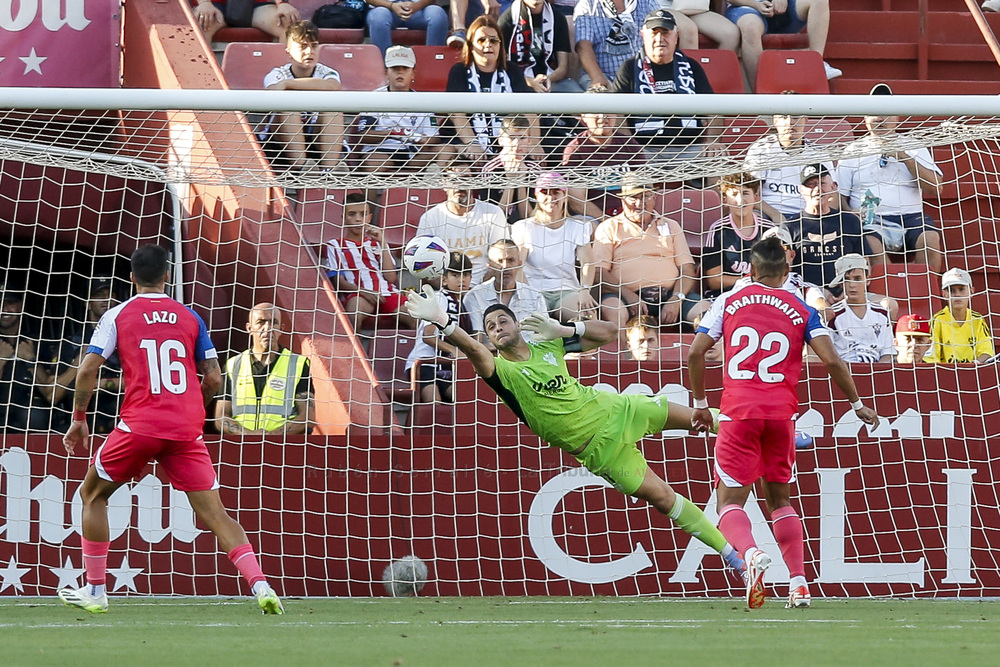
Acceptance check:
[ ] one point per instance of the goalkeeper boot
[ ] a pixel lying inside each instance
(269, 602)
(756, 566)
(798, 598)
(82, 599)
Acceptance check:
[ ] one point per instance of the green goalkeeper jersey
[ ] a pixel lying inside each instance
(553, 403)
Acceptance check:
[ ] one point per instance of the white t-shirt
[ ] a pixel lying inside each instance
(551, 261)
(421, 350)
(524, 301)
(471, 234)
(887, 179)
(861, 339)
(285, 72)
(779, 186)
(405, 127)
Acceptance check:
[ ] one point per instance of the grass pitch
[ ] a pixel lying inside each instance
(482, 632)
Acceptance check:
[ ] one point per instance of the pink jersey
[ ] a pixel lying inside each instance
(159, 342)
(764, 330)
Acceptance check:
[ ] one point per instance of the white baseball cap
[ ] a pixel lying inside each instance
(847, 263)
(400, 55)
(956, 277)
(783, 235)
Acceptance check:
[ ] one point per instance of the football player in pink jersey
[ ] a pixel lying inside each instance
(163, 347)
(764, 328)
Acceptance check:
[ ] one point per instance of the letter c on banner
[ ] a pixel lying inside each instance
(543, 541)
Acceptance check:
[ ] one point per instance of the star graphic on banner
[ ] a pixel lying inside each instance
(125, 576)
(12, 576)
(69, 576)
(32, 61)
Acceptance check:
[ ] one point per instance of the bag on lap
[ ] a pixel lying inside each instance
(341, 14)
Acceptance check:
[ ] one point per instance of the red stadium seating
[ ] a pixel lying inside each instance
(400, 212)
(801, 71)
(388, 356)
(739, 132)
(361, 66)
(694, 209)
(244, 64)
(828, 130)
(433, 64)
(909, 284)
(722, 68)
(321, 213)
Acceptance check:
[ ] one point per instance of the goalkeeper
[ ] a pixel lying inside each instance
(599, 429)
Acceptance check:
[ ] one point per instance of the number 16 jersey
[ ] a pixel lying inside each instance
(160, 343)
(764, 330)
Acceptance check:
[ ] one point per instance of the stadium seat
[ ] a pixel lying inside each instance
(828, 130)
(674, 349)
(722, 68)
(361, 66)
(738, 132)
(320, 213)
(388, 357)
(694, 209)
(798, 40)
(433, 65)
(909, 284)
(801, 71)
(244, 64)
(400, 212)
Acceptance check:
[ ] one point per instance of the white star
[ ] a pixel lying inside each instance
(32, 62)
(12, 576)
(125, 576)
(69, 576)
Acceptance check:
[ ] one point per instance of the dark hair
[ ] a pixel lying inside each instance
(458, 262)
(149, 265)
(738, 181)
(302, 31)
(498, 306)
(768, 257)
(483, 21)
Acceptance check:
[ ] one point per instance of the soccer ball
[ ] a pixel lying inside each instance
(425, 257)
(405, 577)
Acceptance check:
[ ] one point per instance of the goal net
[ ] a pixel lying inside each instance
(909, 509)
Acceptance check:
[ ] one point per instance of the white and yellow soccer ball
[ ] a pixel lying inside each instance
(405, 577)
(425, 257)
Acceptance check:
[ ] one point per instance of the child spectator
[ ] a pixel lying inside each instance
(861, 330)
(643, 338)
(913, 339)
(435, 379)
(360, 268)
(320, 134)
(958, 333)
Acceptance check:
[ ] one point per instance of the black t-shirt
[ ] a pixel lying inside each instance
(261, 372)
(820, 241)
(726, 248)
(458, 82)
(560, 37)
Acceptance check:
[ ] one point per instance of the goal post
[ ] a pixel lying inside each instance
(86, 175)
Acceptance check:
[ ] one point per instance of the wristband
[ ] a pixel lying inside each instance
(449, 328)
(79, 415)
(857, 405)
(580, 328)
(700, 403)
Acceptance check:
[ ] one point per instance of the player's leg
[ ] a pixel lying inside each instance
(266, 18)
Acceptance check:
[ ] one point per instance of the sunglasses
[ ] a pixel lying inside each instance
(487, 40)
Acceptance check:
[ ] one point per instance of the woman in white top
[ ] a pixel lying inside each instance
(552, 244)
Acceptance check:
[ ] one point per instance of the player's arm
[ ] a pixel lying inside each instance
(86, 381)
(701, 419)
(841, 375)
(592, 333)
(211, 379)
(424, 306)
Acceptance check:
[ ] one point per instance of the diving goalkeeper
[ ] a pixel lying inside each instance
(599, 429)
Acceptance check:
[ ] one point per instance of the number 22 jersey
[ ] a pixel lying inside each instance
(764, 330)
(160, 343)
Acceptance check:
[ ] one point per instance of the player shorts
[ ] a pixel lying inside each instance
(750, 449)
(187, 465)
(613, 453)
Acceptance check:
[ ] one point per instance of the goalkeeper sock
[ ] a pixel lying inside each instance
(95, 562)
(735, 525)
(694, 522)
(245, 561)
(787, 527)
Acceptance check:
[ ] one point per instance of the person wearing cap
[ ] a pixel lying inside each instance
(862, 331)
(552, 243)
(756, 18)
(386, 15)
(958, 333)
(607, 34)
(537, 41)
(660, 68)
(642, 261)
(886, 186)
(505, 285)
(463, 222)
(399, 138)
(913, 339)
(820, 233)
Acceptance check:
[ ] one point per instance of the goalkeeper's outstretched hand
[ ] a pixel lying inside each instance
(424, 306)
(545, 327)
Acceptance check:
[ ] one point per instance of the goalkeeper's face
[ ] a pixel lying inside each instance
(502, 330)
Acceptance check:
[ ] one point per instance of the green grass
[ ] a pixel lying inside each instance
(481, 632)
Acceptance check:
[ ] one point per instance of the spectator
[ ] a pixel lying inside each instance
(642, 262)
(398, 139)
(267, 387)
(270, 16)
(660, 68)
(643, 338)
(484, 68)
(552, 244)
(602, 151)
(435, 378)
(505, 286)
(887, 191)
(318, 133)
(991, 5)
(464, 12)
(466, 225)
(360, 268)
(958, 333)
(861, 330)
(812, 294)
(536, 38)
(913, 339)
(385, 15)
(514, 161)
(756, 18)
(23, 403)
(715, 26)
(821, 233)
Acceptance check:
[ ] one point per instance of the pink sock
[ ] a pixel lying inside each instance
(95, 561)
(787, 527)
(736, 527)
(246, 562)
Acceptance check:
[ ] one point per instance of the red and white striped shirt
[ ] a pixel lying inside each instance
(358, 263)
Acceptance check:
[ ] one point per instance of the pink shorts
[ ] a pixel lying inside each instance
(187, 465)
(750, 449)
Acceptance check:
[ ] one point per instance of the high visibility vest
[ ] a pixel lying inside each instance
(277, 405)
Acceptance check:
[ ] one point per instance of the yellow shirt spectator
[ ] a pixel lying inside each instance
(954, 342)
